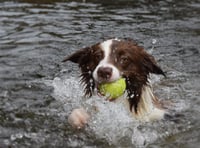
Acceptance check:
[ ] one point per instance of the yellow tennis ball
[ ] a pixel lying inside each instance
(114, 89)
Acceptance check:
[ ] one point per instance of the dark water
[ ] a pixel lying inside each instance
(36, 35)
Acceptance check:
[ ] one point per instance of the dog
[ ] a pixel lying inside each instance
(111, 60)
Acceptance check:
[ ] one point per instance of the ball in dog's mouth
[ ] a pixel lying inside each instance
(113, 90)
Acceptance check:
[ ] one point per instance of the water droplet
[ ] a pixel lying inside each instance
(132, 96)
(91, 80)
(16, 136)
(96, 90)
(90, 87)
(154, 41)
(167, 133)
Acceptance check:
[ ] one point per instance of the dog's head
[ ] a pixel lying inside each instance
(113, 59)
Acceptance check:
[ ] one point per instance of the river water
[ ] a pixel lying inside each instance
(38, 92)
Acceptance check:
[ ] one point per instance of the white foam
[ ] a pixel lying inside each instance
(109, 120)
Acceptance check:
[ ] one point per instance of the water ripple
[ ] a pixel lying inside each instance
(35, 101)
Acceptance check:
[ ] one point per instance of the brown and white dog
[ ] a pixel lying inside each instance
(110, 60)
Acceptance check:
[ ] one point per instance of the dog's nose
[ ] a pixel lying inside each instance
(104, 73)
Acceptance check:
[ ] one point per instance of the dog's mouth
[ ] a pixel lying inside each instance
(99, 84)
(104, 80)
(99, 93)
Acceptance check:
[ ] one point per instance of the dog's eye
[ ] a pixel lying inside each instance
(124, 60)
(98, 56)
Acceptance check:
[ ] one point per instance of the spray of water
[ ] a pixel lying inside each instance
(110, 121)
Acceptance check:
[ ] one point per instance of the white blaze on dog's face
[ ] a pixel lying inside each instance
(105, 70)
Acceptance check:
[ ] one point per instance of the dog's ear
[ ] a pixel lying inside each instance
(78, 56)
(149, 64)
(83, 58)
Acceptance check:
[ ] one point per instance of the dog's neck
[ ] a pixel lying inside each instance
(149, 107)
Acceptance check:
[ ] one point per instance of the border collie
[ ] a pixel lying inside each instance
(110, 60)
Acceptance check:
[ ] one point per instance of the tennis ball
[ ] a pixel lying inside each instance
(113, 89)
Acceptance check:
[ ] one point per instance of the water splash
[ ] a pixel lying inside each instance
(110, 121)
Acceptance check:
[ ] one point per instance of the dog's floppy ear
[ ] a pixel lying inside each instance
(78, 56)
(83, 58)
(149, 64)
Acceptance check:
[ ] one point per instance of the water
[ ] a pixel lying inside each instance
(38, 92)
